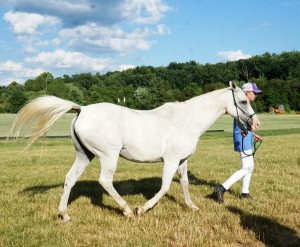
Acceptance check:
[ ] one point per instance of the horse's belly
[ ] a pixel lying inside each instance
(144, 154)
(139, 158)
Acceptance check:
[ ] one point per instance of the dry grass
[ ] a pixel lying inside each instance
(31, 185)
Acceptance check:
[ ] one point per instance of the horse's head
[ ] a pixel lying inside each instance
(240, 108)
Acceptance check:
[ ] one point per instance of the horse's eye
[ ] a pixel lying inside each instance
(244, 102)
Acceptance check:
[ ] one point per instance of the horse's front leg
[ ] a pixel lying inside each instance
(182, 172)
(108, 168)
(170, 167)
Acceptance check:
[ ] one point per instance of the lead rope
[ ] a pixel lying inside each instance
(256, 145)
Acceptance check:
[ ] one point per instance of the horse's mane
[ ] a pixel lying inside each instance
(207, 95)
(166, 108)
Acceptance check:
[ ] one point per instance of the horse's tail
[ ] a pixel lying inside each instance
(40, 114)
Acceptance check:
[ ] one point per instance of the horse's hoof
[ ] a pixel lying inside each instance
(64, 217)
(194, 208)
(128, 214)
(138, 211)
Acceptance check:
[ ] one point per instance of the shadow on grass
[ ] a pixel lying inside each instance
(147, 187)
(196, 181)
(212, 196)
(267, 230)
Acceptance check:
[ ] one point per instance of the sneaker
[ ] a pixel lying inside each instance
(245, 196)
(219, 191)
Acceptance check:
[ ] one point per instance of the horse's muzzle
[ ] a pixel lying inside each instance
(253, 123)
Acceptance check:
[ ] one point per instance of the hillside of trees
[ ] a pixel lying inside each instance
(147, 87)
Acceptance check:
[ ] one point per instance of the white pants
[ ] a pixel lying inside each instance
(247, 166)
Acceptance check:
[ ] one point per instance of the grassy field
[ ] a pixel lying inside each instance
(31, 186)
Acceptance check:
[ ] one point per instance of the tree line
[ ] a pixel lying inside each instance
(147, 87)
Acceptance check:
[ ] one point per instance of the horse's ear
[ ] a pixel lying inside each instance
(232, 85)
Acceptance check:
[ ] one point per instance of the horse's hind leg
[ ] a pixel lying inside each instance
(108, 168)
(182, 172)
(81, 162)
(169, 169)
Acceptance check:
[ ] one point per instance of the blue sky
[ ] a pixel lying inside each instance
(75, 36)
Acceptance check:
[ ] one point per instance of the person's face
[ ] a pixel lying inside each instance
(251, 96)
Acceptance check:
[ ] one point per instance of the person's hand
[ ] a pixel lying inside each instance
(257, 137)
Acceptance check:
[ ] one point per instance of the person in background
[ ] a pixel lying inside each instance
(243, 145)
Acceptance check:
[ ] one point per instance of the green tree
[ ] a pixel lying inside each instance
(40, 83)
(191, 90)
(75, 94)
(16, 101)
(85, 80)
(142, 98)
(58, 88)
(212, 86)
(4, 102)
(15, 97)
(277, 74)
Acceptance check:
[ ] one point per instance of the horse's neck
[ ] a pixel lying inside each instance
(204, 110)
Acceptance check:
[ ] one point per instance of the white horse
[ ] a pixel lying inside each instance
(169, 133)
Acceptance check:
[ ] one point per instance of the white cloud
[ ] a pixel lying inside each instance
(10, 66)
(28, 23)
(30, 49)
(88, 33)
(233, 55)
(47, 29)
(61, 59)
(100, 39)
(123, 67)
(31, 73)
(144, 11)
(13, 71)
(103, 12)
(73, 13)
(4, 2)
(163, 29)
(5, 81)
